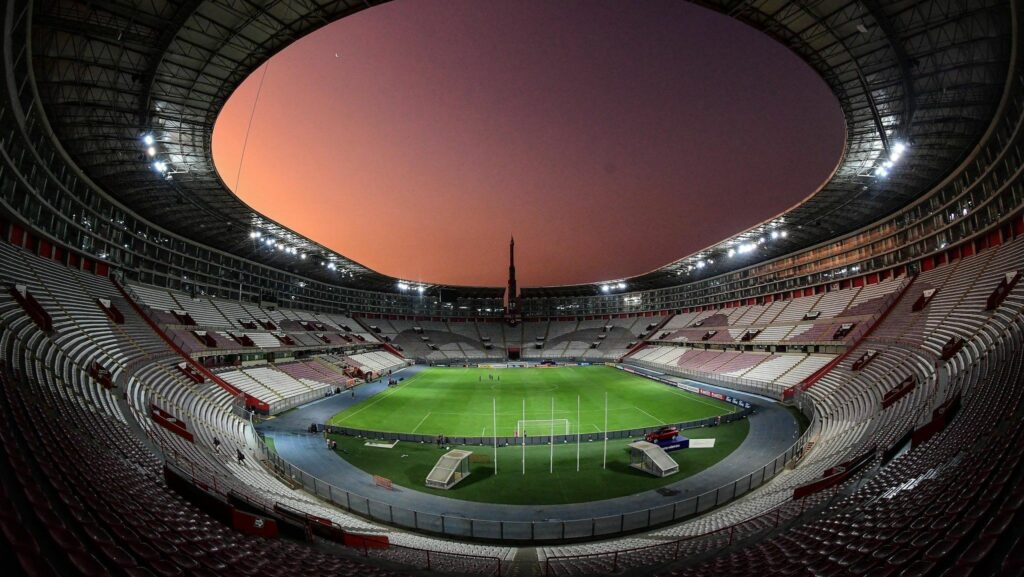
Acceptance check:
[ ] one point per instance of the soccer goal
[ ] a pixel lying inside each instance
(451, 468)
(542, 427)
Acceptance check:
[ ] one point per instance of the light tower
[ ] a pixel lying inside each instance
(512, 293)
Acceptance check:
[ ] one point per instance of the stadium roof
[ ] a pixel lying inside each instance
(927, 75)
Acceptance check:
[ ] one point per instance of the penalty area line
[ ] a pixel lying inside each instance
(376, 399)
(648, 414)
(695, 397)
(420, 423)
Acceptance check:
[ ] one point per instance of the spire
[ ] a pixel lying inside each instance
(513, 292)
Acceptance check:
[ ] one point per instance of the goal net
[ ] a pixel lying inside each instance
(542, 427)
(451, 468)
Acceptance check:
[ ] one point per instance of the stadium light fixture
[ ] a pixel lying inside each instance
(331, 266)
(783, 234)
(148, 139)
(160, 166)
(254, 234)
(151, 151)
(897, 150)
(402, 286)
(420, 289)
(604, 288)
(302, 256)
(621, 286)
(732, 252)
(700, 264)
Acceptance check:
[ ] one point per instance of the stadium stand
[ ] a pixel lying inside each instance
(278, 389)
(800, 320)
(38, 375)
(376, 362)
(885, 306)
(317, 370)
(881, 526)
(230, 326)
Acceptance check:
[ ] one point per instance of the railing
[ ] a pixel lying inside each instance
(672, 550)
(132, 300)
(445, 561)
(546, 530)
(892, 299)
(742, 385)
(430, 560)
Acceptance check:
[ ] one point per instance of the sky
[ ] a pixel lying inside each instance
(609, 137)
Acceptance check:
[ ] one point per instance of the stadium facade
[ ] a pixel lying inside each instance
(926, 200)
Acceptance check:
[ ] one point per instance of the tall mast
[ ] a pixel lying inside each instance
(513, 294)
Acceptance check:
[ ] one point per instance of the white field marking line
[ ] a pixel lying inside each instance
(420, 423)
(648, 414)
(518, 413)
(695, 397)
(380, 397)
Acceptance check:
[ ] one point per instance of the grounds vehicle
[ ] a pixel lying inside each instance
(662, 434)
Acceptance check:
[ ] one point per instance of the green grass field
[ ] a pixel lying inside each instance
(408, 464)
(458, 402)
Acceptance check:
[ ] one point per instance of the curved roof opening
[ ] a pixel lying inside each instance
(415, 138)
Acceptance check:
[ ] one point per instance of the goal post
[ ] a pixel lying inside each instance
(451, 468)
(543, 427)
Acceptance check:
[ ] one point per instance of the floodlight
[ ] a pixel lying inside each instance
(254, 234)
(151, 151)
(402, 286)
(604, 288)
(775, 234)
(148, 139)
(420, 289)
(622, 285)
(732, 252)
(160, 166)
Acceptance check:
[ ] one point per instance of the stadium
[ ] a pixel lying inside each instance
(192, 388)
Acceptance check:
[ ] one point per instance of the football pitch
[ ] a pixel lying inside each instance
(468, 402)
(542, 474)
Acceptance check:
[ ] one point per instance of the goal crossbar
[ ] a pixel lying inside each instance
(542, 427)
